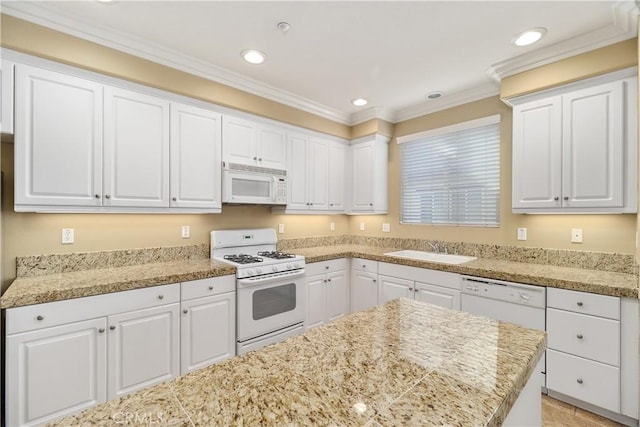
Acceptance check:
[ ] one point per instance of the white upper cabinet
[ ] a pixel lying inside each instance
(368, 175)
(6, 96)
(575, 149)
(251, 143)
(316, 174)
(136, 149)
(195, 158)
(58, 142)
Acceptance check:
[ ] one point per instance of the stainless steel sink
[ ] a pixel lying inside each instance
(431, 256)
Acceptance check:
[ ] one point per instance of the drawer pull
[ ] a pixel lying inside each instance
(160, 296)
(112, 327)
(579, 336)
(374, 280)
(326, 267)
(210, 288)
(40, 317)
(579, 303)
(579, 380)
(328, 280)
(185, 311)
(364, 266)
(101, 330)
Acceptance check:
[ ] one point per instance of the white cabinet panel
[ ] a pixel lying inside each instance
(239, 141)
(195, 158)
(368, 186)
(58, 148)
(316, 301)
(364, 290)
(362, 170)
(437, 295)
(392, 288)
(297, 172)
(337, 156)
(6, 96)
(318, 174)
(207, 331)
(55, 371)
(144, 348)
(136, 149)
(272, 147)
(327, 294)
(593, 147)
(337, 295)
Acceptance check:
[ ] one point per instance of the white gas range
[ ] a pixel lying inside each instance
(271, 293)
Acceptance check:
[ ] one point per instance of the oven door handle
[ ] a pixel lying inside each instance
(268, 279)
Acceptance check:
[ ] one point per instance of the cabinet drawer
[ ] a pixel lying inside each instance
(364, 265)
(583, 379)
(322, 267)
(583, 302)
(207, 287)
(423, 275)
(38, 316)
(590, 337)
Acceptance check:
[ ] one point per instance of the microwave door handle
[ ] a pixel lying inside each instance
(274, 191)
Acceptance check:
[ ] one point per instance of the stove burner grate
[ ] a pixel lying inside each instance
(243, 258)
(276, 255)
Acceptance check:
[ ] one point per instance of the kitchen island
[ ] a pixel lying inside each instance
(402, 363)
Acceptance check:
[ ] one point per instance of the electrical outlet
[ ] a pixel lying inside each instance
(386, 227)
(522, 234)
(362, 226)
(332, 226)
(280, 228)
(576, 235)
(186, 231)
(67, 236)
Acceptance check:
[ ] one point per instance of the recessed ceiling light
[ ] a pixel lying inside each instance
(253, 56)
(434, 95)
(359, 102)
(529, 37)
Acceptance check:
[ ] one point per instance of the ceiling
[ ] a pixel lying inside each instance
(390, 52)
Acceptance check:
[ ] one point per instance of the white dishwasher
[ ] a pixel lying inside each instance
(521, 304)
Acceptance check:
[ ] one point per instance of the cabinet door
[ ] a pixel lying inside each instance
(144, 348)
(195, 157)
(6, 96)
(208, 331)
(593, 147)
(537, 154)
(297, 172)
(239, 141)
(437, 295)
(337, 295)
(392, 288)
(136, 149)
(272, 148)
(364, 290)
(337, 154)
(318, 174)
(55, 371)
(316, 301)
(58, 143)
(363, 156)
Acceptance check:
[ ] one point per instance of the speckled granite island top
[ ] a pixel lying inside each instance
(403, 363)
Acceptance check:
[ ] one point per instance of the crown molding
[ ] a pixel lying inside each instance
(624, 26)
(42, 15)
(370, 114)
(447, 101)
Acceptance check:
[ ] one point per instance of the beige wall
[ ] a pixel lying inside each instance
(610, 233)
(371, 127)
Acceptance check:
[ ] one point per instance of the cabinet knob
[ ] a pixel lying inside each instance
(260, 159)
(566, 197)
(175, 199)
(324, 280)
(101, 330)
(107, 196)
(328, 280)
(97, 196)
(556, 198)
(210, 288)
(579, 303)
(330, 204)
(160, 296)
(112, 327)
(326, 267)
(374, 280)
(185, 311)
(579, 381)
(410, 289)
(40, 317)
(579, 336)
(255, 158)
(370, 204)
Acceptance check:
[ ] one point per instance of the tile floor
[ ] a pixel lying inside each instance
(559, 414)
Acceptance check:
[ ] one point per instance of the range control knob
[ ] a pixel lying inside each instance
(296, 265)
(250, 272)
(274, 268)
(289, 266)
(259, 270)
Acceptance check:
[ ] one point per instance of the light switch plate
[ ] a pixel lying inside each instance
(332, 226)
(280, 228)
(362, 226)
(386, 227)
(522, 234)
(576, 235)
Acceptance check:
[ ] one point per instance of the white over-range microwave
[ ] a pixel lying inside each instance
(242, 184)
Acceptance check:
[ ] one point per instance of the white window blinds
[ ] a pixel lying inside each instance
(451, 176)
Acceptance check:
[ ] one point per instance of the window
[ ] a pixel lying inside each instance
(451, 176)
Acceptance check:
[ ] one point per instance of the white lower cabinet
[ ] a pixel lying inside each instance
(435, 287)
(592, 351)
(55, 371)
(327, 292)
(364, 284)
(65, 356)
(208, 322)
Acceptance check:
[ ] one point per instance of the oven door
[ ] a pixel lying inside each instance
(267, 304)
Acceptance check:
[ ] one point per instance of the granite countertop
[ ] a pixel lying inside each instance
(60, 286)
(405, 362)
